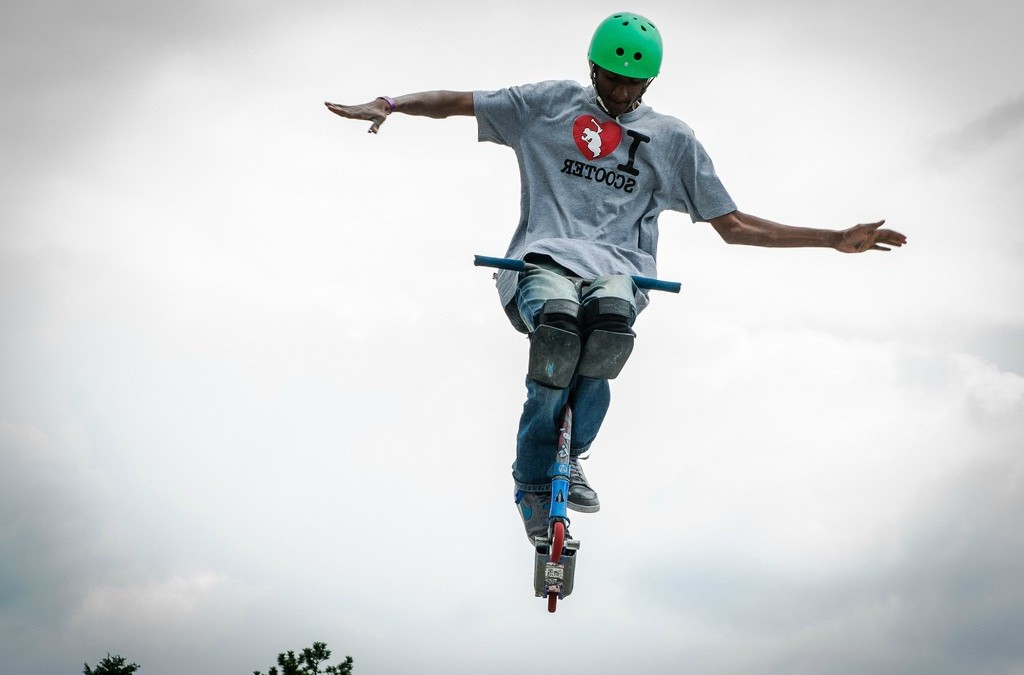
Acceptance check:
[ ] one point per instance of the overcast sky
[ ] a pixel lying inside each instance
(253, 394)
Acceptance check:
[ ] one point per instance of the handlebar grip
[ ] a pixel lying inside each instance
(501, 263)
(657, 284)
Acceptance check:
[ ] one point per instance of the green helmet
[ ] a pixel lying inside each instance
(627, 44)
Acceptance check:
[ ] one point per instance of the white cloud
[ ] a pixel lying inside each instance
(853, 508)
(199, 608)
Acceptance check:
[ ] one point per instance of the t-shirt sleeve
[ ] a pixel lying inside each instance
(502, 115)
(701, 191)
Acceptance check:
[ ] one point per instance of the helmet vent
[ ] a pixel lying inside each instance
(620, 51)
(637, 56)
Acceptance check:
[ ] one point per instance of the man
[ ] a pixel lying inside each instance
(597, 167)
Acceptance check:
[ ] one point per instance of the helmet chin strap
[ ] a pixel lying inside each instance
(600, 101)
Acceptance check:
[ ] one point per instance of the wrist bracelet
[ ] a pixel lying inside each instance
(390, 101)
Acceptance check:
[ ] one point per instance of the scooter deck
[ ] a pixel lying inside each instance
(549, 576)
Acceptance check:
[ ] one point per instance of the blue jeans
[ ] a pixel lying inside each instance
(542, 412)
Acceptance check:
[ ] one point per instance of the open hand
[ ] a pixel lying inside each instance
(868, 237)
(375, 111)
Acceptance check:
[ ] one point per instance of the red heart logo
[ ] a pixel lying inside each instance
(595, 139)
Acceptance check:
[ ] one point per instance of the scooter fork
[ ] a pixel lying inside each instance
(555, 558)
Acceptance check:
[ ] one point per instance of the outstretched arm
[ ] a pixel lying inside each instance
(436, 104)
(742, 228)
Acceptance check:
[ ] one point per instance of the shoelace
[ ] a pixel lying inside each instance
(576, 475)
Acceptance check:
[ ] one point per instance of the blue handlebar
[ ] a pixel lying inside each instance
(515, 265)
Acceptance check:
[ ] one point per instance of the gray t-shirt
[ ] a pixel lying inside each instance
(593, 187)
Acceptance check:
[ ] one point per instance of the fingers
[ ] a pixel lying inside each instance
(891, 238)
(368, 111)
(377, 121)
(871, 237)
(886, 240)
(896, 238)
(340, 110)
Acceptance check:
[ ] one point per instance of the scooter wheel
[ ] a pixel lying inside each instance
(557, 540)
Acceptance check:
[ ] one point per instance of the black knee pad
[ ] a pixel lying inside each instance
(607, 337)
(555, 344)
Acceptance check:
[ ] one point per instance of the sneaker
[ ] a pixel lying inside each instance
(582, 497)
(533, 508)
